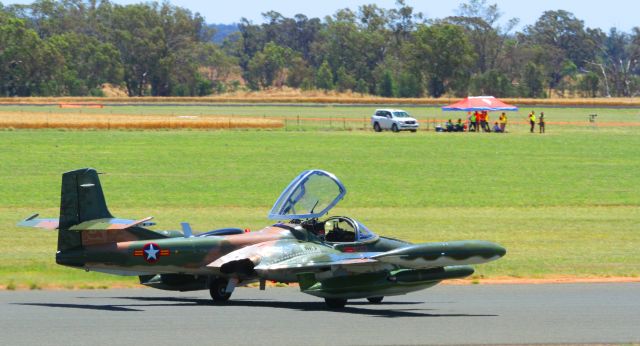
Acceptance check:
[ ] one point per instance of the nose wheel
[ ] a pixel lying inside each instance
(218, 290)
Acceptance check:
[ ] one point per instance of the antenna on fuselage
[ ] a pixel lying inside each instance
(186, 229)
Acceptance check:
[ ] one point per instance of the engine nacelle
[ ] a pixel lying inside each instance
(379, 284)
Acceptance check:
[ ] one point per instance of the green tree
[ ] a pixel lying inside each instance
(354, 41)
(28, 65)
(344, 81)
(532, 84)
(299, 73)
(562, 30)
(618, 61)
(589, 84)
(151, 48)
(402, 21)
(480, 22)
(252, 40)
(88, 63)
(298, 34)
(362, 87)
(216, 68)
(324, 77)
(387, 86)
(158, 47)
(267, 68)
(409, 84)
(139, 38)
(560, 36)
(70, 47)
(443, 54)
(492, 82)
(51, 17)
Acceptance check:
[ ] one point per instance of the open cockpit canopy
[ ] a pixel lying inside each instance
(309, 196)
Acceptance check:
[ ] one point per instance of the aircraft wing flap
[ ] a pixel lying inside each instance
(34, 221)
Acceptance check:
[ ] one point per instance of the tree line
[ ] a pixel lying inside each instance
(72, 47)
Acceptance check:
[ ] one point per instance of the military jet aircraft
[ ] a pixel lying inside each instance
(336, 258)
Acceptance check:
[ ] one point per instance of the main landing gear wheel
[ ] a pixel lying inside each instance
(394, 128)
(335, 303)
(218, 290)
(376, 127)
(375, 300)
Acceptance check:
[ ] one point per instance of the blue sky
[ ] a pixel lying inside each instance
(622, 14)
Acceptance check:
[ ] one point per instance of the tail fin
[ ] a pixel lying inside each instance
(81, 200)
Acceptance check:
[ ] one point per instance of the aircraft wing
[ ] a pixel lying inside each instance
(288, 257)
(418, 256)
(348, 262)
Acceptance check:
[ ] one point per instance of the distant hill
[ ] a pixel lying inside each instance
(222, 31)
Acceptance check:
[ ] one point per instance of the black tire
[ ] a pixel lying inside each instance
(376, 127)
(414, 130)
(394, 128)
(375, 300)
(335, 303)
(217, 289)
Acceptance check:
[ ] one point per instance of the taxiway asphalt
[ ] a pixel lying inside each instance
(473, 314)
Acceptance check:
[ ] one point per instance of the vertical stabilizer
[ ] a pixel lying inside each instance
(81, 200)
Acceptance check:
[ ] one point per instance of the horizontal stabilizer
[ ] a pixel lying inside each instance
(111, 224)
(34, 221)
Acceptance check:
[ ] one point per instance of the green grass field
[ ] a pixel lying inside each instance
(564, 204)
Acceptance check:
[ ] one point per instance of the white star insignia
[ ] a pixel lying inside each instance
(151, 252)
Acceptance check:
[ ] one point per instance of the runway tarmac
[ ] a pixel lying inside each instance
(474, 314)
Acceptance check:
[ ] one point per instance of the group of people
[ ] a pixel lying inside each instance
(532, 121)
(477, 121)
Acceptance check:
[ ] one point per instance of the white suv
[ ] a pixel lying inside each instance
(394, 120)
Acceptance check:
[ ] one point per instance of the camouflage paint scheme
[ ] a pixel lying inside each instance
(361, 265)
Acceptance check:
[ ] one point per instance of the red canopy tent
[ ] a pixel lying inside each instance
(480, 103)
